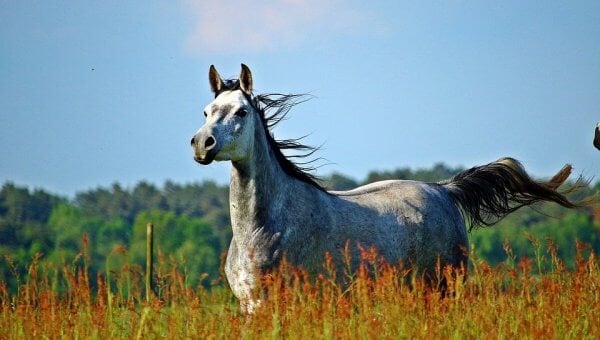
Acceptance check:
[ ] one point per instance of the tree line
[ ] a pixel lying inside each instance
(106, 226)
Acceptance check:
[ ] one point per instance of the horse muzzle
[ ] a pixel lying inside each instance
(205, 151)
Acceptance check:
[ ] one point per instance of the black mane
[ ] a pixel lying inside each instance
(272, 109)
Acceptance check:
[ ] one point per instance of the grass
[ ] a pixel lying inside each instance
(525, 298)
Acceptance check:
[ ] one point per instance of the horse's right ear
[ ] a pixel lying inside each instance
(216, 83)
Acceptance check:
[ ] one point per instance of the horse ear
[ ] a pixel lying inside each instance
(216, 83)
(246, 79)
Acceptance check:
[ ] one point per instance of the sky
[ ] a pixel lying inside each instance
(93, 93)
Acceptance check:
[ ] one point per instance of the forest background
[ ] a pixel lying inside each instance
(106, 226)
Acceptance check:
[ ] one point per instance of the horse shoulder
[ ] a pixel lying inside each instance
(305, 217)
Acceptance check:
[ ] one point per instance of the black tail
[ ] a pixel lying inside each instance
(489, 192)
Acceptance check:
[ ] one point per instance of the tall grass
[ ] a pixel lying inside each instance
(519, 298)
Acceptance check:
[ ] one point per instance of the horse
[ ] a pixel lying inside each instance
(278, 208)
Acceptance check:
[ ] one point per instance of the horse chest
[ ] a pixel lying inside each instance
(248, 257)
(240, 272)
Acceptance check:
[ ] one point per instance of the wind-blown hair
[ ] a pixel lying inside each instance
(489, 192)
(273, 108)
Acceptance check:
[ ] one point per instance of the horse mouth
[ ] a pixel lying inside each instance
(204, 160)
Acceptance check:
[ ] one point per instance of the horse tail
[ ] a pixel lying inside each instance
(487, 193)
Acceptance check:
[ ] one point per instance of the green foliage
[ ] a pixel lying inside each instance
(23, 227)
(437, 173)
(517, 230)
(191, 226)
(188, 240)
(337, 181)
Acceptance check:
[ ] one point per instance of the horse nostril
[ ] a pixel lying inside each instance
(209, 143)
(193, 141)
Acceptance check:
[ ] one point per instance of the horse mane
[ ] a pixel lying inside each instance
(272, 109)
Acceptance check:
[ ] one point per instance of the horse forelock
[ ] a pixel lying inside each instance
(229, 85)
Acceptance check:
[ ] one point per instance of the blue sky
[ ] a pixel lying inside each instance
(97, 92)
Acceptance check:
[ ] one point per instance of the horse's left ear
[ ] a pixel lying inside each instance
(216, 83)
(246, 79)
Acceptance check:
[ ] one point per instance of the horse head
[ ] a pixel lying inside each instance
(231, 118)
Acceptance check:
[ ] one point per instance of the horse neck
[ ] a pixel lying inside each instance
(257, 185)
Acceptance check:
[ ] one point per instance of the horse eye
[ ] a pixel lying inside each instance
(241, 112)
(205, 115)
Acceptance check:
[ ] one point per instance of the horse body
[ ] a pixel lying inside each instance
(406, 221)
(274, 215)
(277, 209)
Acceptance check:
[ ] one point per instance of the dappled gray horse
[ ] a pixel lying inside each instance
(278, 208)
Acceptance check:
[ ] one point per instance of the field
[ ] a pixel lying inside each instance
(521, 298)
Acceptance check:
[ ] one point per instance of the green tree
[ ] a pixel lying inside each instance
(564, 228)
(437, 173)
(111, 204)
(23, 226)
(338, 181)
(189, 240)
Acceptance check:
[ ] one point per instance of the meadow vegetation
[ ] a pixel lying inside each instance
(531, 298)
